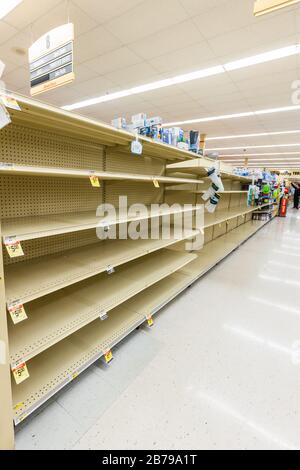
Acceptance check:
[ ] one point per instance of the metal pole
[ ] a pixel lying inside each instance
(6, 411)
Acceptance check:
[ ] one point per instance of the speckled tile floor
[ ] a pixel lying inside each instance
(220, 369)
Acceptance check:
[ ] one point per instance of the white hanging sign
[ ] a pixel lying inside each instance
(51, 60)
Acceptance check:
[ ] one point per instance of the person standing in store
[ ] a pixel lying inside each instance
(296, 195)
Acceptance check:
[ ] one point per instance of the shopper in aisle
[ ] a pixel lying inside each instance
(296, 187)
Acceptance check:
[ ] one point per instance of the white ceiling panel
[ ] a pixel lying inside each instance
(134, 75)
(60, 15)
(144, 20)
(29, 11)
(94, 43)
(117, 59)
(185, 60)
(168, 40)
(105, 10)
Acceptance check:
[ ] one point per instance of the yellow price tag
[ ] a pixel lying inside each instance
(150, 321)
(75, 375)
(17, 313)
(95, 182)
(20, 373)
(14, 248)
(108, 356)
(19, 406)
(156, 184)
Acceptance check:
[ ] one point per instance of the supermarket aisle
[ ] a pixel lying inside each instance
(221, 368)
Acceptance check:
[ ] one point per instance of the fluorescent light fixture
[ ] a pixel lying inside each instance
(262, 7)
(234, 116)
(148, 87)
(246, 136)
(6, 6)
(247, 155)
(252, 147)
(198, 74)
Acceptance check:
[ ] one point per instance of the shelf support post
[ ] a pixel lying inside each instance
(6, 412)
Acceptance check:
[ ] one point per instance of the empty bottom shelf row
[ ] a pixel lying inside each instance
(60, 364)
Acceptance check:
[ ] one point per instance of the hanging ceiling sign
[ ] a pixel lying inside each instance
(51, 60)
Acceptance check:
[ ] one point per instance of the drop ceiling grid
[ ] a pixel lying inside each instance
(222, 27)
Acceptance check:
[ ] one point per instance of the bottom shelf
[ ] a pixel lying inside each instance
(51, 370)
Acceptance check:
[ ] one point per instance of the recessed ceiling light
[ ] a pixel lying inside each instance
(262, 7)
(246, 136)
(6, 6)
(198, 74)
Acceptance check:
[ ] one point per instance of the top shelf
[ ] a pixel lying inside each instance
(44, 116)
(200, 167)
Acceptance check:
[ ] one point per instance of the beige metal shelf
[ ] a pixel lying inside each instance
(32, 279)
(59, 365)
(221, 216)
(15, 170)
(44, 116)
(200, 167)
(85, 302)
(156, 297)
(195, 191)
(51, 370)
(30, 228)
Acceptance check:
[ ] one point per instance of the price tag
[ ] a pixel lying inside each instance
(17, 312)
(95, 182)
(13, 247)
(156, 184)
(10, 103)
(19, 406)
(150, 321)
(110, 270)
(20, 373)
(74, 376)
(103, 316)
(108, 356)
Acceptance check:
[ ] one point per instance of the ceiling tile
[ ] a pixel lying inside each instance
(143, 20)
(271, 33)
(188, 59)
(104, 10)
(194, 7)
(168, 40)
(58, 16)
(29, 11)
(114, 60)
(6, 32)
(134, 75)
(20, 41)
(16, 79)
(94, 43)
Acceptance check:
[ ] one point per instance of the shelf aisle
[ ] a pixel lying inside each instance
(69, 357)
(55, 317)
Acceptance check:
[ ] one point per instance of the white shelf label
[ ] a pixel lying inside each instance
(17, 312)
(20, 373)
(13, 247)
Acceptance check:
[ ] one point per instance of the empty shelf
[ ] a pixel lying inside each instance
(221, 216)
(57, 366)
(29, 228)
(35, 278)
(200, 167)
(58, 315)
(15, 170)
